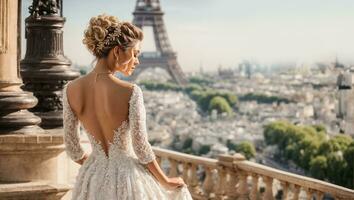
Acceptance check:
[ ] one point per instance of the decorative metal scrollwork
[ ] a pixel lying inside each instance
(45, 7)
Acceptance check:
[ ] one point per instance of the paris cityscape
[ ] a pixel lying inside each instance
(242, 104)
(227, 110)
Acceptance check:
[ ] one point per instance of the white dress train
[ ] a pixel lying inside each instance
(121, 175)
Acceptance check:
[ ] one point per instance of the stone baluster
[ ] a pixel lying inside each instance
(222, 175)
(268, 188)
(185, 173)
(296, 192)
(173, 168)
(254, 190)
(208, 184)
(221, 182)
(285, 187)
(231, 184)
(242, 189)
(308, 194)
(319, 195)
(194, 181)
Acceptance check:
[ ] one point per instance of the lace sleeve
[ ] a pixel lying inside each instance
(137, 121)
(71, 131)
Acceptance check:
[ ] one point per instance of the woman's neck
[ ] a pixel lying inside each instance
(103, 67)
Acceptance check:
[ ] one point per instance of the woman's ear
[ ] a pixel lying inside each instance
(116, 52)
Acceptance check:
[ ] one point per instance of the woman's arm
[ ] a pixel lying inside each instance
(71, 131)
(141, 145)
(170, 183)
(82, 160)
(155, 169)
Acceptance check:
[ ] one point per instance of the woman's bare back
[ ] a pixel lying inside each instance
(101, 105)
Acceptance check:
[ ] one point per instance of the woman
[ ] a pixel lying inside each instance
(122, 164)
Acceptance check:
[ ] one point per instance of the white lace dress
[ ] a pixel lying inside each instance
(121, 174)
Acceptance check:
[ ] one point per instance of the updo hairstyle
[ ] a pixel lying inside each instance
(104, 32)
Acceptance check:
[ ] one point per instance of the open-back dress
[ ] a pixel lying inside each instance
(121, 174)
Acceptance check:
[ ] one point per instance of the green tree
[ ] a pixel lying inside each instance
(318, 167)
(220, 104)
(230, 145)
(197, 91)
(336, 167)
(275, 132)
(349, 173)
(247, 149)
(337, 143)
(262, 98)
(200, 80)
(151, 85)
(192, 87)
(309, 147)
(319, 128)
(187, 143)
(204, 149)
(341, 142)
(290, 152)
(229, 97)
(308, 150)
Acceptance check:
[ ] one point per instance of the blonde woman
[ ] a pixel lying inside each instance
(122, 164)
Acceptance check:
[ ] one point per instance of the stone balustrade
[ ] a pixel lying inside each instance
(233, 177)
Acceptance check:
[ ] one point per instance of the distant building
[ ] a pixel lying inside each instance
(225, 73)
(344, 81)
(345, 111)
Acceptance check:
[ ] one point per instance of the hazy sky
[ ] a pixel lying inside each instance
(223, 32)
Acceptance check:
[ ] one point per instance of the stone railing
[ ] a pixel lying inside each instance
(233, 177)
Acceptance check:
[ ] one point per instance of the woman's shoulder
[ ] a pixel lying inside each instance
(71, 86)
(75, 83)
(125, 86)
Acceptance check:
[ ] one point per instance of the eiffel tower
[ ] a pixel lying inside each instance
(149, 13)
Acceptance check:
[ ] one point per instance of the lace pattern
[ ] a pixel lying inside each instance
(71, 130)
(137, 118)
(119, 175)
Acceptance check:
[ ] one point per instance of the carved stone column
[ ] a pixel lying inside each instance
(28, 156)
(14, 116)
(45, 69)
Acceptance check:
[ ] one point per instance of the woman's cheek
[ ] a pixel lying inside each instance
(126, 62)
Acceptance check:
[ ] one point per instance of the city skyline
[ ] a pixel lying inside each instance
(210, 33)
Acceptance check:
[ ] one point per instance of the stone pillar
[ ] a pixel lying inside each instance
(14, 116)
(45, 69)
(28, 155)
